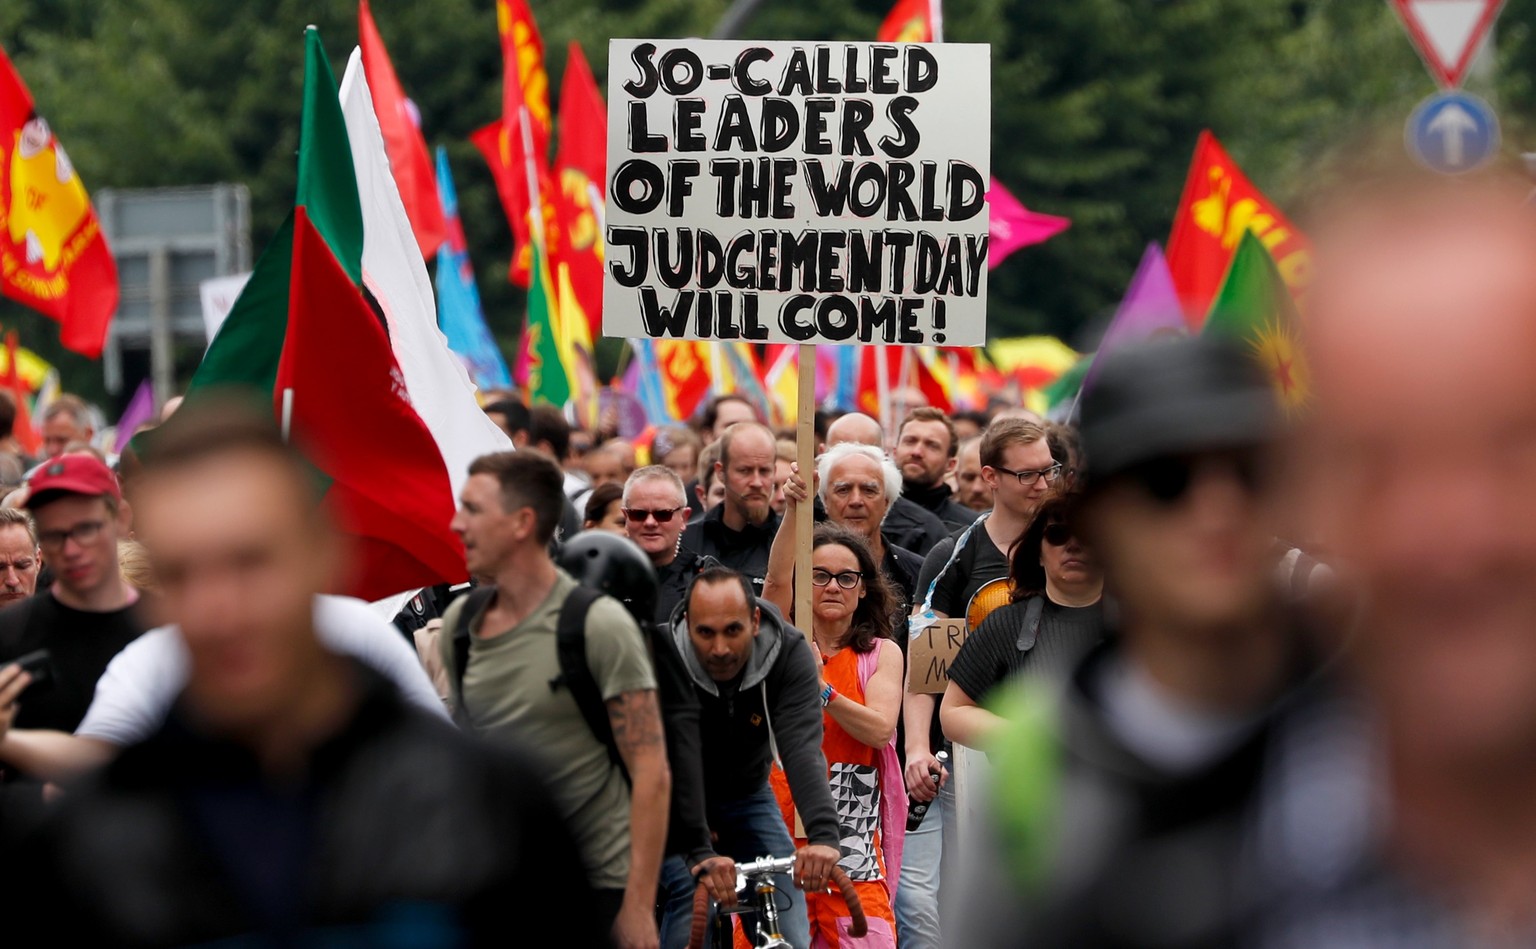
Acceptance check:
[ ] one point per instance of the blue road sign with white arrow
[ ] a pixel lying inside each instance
(1452, 133)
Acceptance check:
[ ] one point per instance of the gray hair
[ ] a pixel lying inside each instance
(655, 473)
(845, 450)
(11, 515)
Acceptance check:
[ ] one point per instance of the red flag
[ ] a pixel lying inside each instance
(581, 169)
(26, 436)
(525, 84)
(389, 488)
(1218, 207)
(525, 92)
(504, 154)
(53, 256)
(408, 160)
(910, 21)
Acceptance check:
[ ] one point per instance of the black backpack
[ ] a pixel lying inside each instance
(674, 692)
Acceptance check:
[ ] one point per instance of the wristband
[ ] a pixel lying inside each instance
(827, 695)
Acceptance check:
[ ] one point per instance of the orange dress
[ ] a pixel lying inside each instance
(854, 773)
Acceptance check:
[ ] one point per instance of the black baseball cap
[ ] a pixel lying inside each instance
(1174, 396)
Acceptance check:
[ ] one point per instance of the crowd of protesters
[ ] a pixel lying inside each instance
(1234, 675)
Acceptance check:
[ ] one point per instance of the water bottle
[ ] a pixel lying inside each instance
(917, 810)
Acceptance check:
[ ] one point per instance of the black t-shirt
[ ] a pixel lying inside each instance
(81, 643)
(979, 563)
(991, 653)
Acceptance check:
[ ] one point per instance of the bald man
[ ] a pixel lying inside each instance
(739, 531)
(1423, 350)
(908, 525)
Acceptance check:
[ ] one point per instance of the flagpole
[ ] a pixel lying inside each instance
(805, 448)
(936, 18)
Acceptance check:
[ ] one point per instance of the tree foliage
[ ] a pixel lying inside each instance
(1095, 104)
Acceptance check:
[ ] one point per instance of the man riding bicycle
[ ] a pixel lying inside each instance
(756, 679)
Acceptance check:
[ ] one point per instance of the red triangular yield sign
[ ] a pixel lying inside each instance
(1448, 33)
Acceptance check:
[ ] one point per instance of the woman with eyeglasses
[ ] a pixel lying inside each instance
(1055, 618)
(861, 690)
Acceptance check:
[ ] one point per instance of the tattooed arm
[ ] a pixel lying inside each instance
(637, 731)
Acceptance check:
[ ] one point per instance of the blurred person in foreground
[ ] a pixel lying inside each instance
(291, 795)
(1422, 338)
(1121, 799)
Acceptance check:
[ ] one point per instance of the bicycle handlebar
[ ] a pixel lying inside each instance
(858, 925)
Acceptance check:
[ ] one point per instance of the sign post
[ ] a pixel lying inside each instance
(798, 192)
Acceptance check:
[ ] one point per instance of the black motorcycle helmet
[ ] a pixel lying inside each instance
(613, 565)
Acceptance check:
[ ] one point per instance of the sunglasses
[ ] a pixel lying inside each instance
(1168, 480)
(638, 515)
(1058, 534)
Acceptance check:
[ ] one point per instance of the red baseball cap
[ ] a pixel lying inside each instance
(71, 474)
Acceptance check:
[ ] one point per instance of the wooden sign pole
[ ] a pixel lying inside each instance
(805, 521)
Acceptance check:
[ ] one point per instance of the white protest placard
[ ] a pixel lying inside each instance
(798, 192)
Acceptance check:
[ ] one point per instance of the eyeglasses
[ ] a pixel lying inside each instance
(848, 579)
(1027, 478)
(1058, 534)
(1167, 480)
(80, 534)
(638, 515)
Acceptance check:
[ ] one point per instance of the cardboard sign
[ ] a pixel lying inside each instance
(929, 656)
(798, 192)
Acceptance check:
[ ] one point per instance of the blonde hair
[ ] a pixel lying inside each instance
(133, 559)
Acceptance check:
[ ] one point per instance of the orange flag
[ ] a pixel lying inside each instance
(910, 21)
(1218, 207)
(53, 256)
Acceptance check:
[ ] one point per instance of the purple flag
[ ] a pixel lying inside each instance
(1014, 226)
(141, 409)
(1150, 306)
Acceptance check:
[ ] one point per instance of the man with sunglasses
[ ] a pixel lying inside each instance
(88, 615)
(1140, 771)
(655, 513)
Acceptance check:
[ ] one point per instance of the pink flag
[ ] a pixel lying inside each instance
(1015, 226)
(141, 409)
(1150, 307)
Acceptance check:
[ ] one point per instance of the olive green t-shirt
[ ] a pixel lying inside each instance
(507, 695)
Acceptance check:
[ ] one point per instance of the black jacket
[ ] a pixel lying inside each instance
(401, 825)
(774, 704)
(939, 500)
(908, 524)
(745, 550)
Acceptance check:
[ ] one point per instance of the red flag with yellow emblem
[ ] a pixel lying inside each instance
(1218, 207)
(53, 256)
(581, 172)
(503, 144)
(910, 21)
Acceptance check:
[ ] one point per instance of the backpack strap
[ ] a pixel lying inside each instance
(475, 602)
(1030, 631)
(576, 674)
